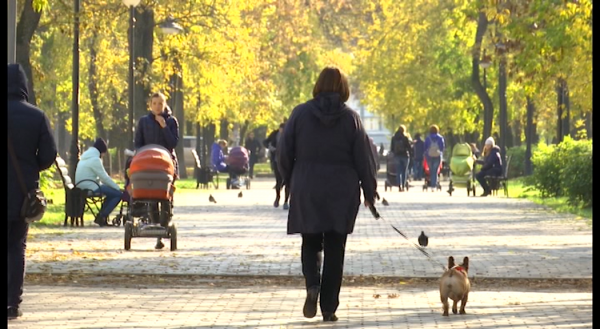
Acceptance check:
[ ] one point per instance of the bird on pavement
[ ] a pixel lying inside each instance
(385, 202)
(423, 239)
(212, 199)
(240, 194)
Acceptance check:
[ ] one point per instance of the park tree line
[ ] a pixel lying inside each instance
(245, 64)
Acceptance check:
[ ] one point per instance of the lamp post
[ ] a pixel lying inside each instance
(12, 31)
(170, 27)
(485, 63)
(131, 4)
(501, 47)
(74, 150)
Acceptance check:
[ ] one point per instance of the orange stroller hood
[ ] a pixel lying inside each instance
(152, 158)
(151, 173)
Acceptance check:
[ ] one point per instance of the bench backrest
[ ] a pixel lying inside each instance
(196, 159)
(63, 171)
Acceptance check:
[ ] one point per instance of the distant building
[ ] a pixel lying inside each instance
(374, 124)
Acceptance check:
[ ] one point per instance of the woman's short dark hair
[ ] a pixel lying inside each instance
(332, 79)
(434, 129)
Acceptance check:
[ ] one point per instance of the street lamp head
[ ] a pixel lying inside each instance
(485, 64)
(170, 27)
(131, 3)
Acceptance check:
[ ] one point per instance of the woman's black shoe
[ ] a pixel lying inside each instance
(329, 317)
(310, 305)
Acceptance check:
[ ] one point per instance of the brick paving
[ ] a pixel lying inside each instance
(504, 238)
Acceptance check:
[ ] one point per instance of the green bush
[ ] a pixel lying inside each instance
(564, 170)
(576, 171)
(517, 161)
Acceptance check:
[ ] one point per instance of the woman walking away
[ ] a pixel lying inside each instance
(401, 146)
(325, 155)
(434, 150)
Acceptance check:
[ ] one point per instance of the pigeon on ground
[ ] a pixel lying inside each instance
(240, 194)
(423, 239)
(211, 199)
(385, 202)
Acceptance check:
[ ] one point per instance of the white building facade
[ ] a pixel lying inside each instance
(373, 124)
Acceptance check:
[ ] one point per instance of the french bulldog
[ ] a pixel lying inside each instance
(455, 284)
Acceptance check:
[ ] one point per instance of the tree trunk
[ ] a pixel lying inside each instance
(529, 136)
(588, 124)
(144, 41)
(488, 107)
(224, 130)
(560, 110)
(28, 23)
(93, 86)
(179, 114)
(208, 137)
(566, 124)
(243, 131)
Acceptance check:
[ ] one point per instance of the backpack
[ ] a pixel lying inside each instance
(434, 149)
(400, 146)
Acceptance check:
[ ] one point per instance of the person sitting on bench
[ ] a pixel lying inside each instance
(492, 165)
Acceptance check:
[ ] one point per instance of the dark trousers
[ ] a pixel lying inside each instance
(16, 242)
(253, 160)
(488, 172)
(334, 246)
(279, 185)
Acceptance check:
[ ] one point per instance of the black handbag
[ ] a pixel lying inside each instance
(35, 204)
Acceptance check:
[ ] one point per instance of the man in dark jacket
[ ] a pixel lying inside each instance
(161, 128)
(31, 139)
(271, 143)
(325, 155)
(492, 165)
(253, 147)
(402, 149)
(418, 150)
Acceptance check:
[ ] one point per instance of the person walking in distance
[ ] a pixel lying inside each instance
(30, 138)
(325, 156)
(272, 143)
(253, 146)
(434, 151)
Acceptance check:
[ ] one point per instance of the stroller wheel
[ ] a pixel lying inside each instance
(173, 236)
(117, 220)
(128, 235)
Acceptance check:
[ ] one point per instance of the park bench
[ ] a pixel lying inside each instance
(204, 175)
(497, 182)
(77, 200)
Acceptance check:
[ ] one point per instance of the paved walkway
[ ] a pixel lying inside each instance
(504, 238)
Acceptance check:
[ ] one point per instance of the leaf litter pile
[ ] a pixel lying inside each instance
(123, 280)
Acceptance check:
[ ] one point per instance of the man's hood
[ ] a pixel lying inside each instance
(17, 82)
(327, 107)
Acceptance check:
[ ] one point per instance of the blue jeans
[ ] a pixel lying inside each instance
(401, 166)
(433, 164)
(113, 197)
(16, 241)
(418, 169)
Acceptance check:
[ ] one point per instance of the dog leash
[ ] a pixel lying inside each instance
(377, 216)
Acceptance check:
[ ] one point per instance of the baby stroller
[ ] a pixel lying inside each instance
(427, 178)
(151, 189)
(461, 168)
(391, 175)
(125, 197)
(239, 163)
